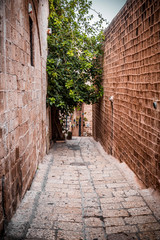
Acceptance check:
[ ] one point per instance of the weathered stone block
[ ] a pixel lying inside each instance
(18, 83)
(128, 128)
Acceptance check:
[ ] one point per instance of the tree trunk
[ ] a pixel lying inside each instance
(56, 126)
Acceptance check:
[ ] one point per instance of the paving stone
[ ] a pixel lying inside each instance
(133, 199)
(91, 202)
(115, 221)
(92, 211)
(70, 226)
(140, 219)
(111, 206)
(15, 230)
(88, 190)
(100, 186)
(115, 213)
(133, 204)
(70, 218)
(104, 193)
(84, 195)
(149, 227)
(117, 185)
(88, 195)
(95, 234)
(139, 211)
(45, 216)
(71, 210)
(123, 236)
(120, 229)
(154, 235)
(132, 192)
(69, 235)
(111, 200)
(41, 223)
(34, 239)
(93, 222)
(41, 233)
(119, 193)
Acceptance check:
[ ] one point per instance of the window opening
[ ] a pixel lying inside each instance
(31, 40)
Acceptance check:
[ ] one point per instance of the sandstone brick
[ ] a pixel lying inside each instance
(149, 227)
(23, 128)
(3, 150)
(115, 213)
(109, 222)
(150, 235)
(16, 89)
(123, 236)
(127, 128)
(139, 211)
(119, 229)
(140, 219)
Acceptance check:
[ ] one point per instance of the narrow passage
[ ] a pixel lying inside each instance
(81, 193)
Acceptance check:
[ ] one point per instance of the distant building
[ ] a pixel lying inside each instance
(80, 121)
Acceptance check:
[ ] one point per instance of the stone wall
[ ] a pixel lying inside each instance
(77, 117)
(87, 120)
(22, 98)
(85, 117)
(129, 127)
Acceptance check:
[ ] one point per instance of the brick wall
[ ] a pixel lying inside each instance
(129, 128)
(22, 99)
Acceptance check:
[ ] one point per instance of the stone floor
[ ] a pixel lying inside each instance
(80, 192)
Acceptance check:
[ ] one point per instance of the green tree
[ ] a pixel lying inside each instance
(75, 52)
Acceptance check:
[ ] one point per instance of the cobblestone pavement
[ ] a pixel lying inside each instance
(80, 192)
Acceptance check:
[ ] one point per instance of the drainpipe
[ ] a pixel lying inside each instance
(3, 204)
(111, 100)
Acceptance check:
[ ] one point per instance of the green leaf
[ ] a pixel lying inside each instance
(74, 53)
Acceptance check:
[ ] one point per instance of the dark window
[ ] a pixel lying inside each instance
(31, 40)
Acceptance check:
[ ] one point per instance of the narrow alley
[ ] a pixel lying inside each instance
(80, 192)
